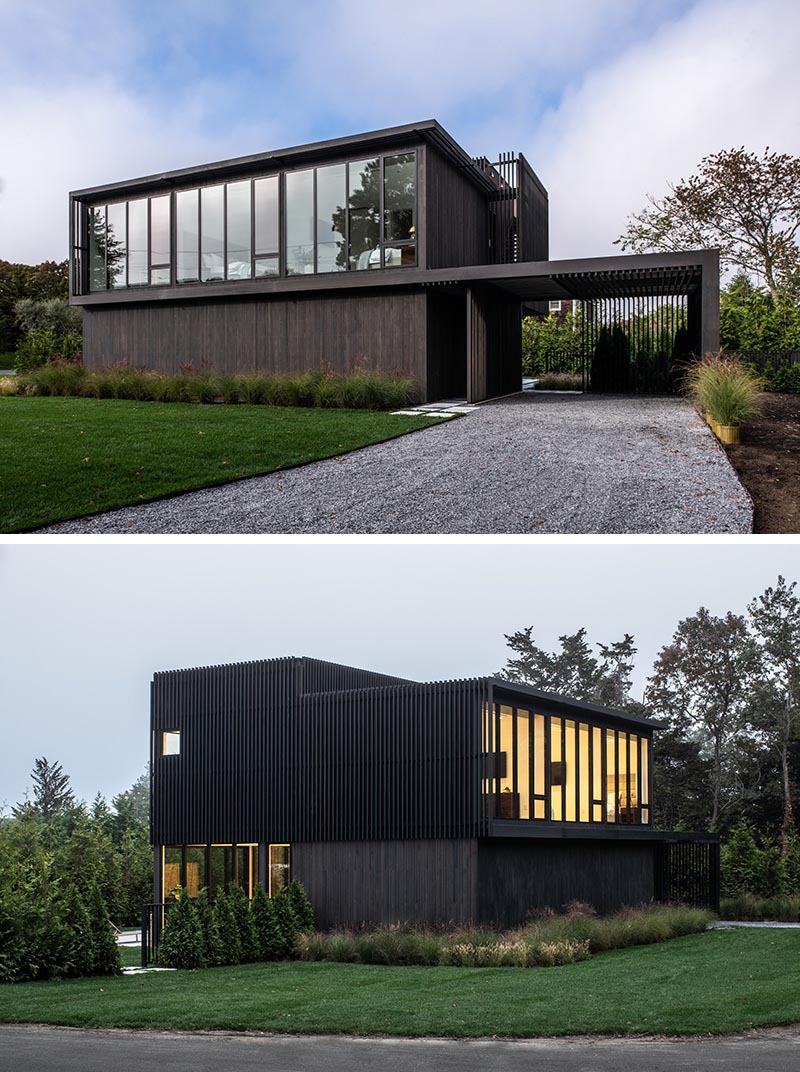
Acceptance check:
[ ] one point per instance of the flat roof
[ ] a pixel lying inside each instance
(529, 693)
(429, 130)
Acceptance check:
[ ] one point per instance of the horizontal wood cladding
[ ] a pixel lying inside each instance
(456, 215)
(384, 331)
(515, 876)
(266, 757)
(351, 882)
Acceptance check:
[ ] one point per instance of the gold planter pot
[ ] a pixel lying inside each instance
(728, 433)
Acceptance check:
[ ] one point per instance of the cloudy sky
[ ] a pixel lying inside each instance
(609, 99)
(83, 628)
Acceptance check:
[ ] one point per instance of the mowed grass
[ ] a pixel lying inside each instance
(717, 982)
(67, 457)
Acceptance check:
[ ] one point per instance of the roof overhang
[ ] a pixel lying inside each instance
(525, 693)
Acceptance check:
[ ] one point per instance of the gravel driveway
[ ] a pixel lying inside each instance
(526, 464)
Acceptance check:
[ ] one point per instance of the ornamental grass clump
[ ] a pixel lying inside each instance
(724, 388)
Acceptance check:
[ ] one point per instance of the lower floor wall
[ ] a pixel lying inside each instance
(351, 882)
(517, 876)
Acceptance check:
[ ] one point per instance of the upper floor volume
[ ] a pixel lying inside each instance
(404, 197)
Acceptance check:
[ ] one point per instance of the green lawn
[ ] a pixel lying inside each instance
(716, 982)
(66, 457)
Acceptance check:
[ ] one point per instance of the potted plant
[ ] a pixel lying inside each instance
(727, 392)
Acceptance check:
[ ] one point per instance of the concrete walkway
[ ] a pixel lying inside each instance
(42, 1049)
(526, 464)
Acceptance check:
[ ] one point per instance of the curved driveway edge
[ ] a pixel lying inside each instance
(40, 1049)
(525, 464)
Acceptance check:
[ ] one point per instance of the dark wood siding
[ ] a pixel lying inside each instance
(456, 216)
(533, 215)
(385, 331)
(515, 876)
(265, 757)
(429, 881)
(494, 344)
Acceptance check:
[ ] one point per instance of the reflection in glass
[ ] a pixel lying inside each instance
(266, 223)
(171, 873)
(220, 871)
(116, 242)
(137, 243)
(97, 248)
(399, 209)
(279, 867)
(159, 239)
(188, 264)
(212, 234)
(195, 869)
(299, 222)
(238, 236)
(364, 214)
(331, 256)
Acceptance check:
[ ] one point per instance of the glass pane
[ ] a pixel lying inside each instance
(239, 230)
(611, 777)
(171, 877)
(506, 800)
(584, 788)
(220, 873)
(212, 234)
(97, 248)
(299, 222)
(159, 277)
(622, 760)
(597, 767)
(486, 748)
(159, 238)
(645, 772)
(171, 743)
(400, 256)
(571, 773)
(331, 254)
(195, 869)
(278, 868)
(138, 268)
(539, 757)
(538, 809)
(188, 264)
(556, 771)
(117, 242)
(523, 765)
(266, 199)
(399, 197)
(364, 212)
(267, 265)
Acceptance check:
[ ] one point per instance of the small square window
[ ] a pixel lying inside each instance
(171, 743)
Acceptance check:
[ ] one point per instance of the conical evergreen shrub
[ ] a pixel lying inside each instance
(208, 928)
(230, 946)
(181, 944)
(80, 954)
(248, 938)
(287, 924)
(301, 906)
(270, 939)
(106, 959)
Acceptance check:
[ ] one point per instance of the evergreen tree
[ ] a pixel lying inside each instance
(287, 923)
(248, 939)
(301, 906)
(52, 794)
(740, 865)
(212, 954)
(81, 955)
(268, 932)
(182, 944)
(230, 946)
(106, 951)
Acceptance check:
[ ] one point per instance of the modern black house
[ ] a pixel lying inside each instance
(473, 800)
(393, 249)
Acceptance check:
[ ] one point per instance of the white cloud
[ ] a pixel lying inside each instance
(724, 75)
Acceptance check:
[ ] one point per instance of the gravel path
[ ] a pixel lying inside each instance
(527, 464)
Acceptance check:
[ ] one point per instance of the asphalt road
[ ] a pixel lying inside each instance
(30, 1048)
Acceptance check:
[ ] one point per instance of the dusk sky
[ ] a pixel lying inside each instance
(609, 99)
(83, 628)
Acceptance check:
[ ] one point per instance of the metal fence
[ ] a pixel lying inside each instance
(153, 919)
(687, 872)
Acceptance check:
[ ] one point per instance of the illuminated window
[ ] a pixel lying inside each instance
(171, 743)
(611, 777)
(171, 870)
(571, 772)
(279, 868)
(557, 772)
(523, 765)
(584, 786)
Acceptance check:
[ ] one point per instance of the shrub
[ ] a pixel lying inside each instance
(268, 933)
(208, 929)
(52, 314)
(248, 939)
(230, 946)
(287, 922)
(301, 906)
(560, 381)
(725, 388)
(182, 943)
(38, 347)
(106, 951)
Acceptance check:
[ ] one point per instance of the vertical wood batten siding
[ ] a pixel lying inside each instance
(265, 759)
(456, 216)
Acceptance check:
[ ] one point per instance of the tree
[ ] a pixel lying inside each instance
(751, 319)
(702, 683)
(301, 906)
(106, 951)
(248, 939)
(182, 943)
(230, 946)
(775, 618)
(574, 670)
(681, 776)
(747, 205)
(52, 794)
(270, 940)
(287, 922)
(40, 281)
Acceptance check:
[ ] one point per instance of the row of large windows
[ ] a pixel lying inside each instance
(355, 215)
(218, 867)
(546, 767)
